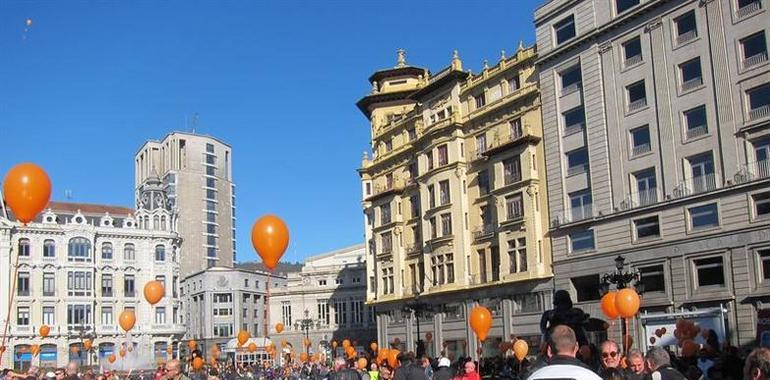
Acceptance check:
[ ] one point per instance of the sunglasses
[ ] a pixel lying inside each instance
(612, 354)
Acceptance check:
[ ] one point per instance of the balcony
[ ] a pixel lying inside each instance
(484, 231)
(632, 61)
(759, 112)
(697, 131)
(511, 178)
(754, 60)
(106, 329)
(695, 185)
(514, 137)
(749, 9)
(641, 149)
(686, 36)
(413, 249)
(637, 104)
(692, 83)
(382, 190)
(753, 171)
(639, 199)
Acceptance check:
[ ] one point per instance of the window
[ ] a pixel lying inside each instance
(49, 284)
(564, 29)
(387, 242)
(107, 285)
(22, 316)
(223, 298)
(385, 214)
(637, 96)
(443, 190)
(514, 84)
(388, 145)
(702, 170)
(414, 202)
(106, 251)
(640, 140)
(581, 205)
(582, 241)
(587, 288)
(431, 196)
(211, 182)
(22, 286)
(433, 229)
(323, 311)
(754, 49)
(764, 261)
(695, 122)
(223, 330)
(211, 170)
(710, 271)
(571, 79)
(646, 187)
(761, 204)
(49, 249)
(79, 283)
(577, 161)
(511, 170)
(624, 5)
(24, 249)
(79, 249)
(412, 134)
(652, 278)
(632, 52)
(429, 159)
(686, 27)
(129, 252)
(162, 280)
(357, 311)
(129, 286)
(481, 144)
(443, 156)
(480, 100)
(759, 101)
(515, 128)
(528, 303)
(514, 205)
(160, 315)
(160, 253)
(647, 227)
(691, 74)
(446, 224)
(49, 315)
(78, 315)
(704, 216)
(574, 120)
(747, 7)
(483, 182)
(340, 312)
(517, 255)
(209, 148)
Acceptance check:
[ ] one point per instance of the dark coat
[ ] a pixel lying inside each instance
(443, 373)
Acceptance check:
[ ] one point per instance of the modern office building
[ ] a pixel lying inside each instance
(77, 268)
(656, 120)
(325, 301)
(455, 206)
(195, 173)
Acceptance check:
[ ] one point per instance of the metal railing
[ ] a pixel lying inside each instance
(692, 83)
(645, 197)
(686, 36)
(749, 9)
(641, 149)
(759, 112)
(583, 212)
(753, 171)
(632, 61)
(695, 185)
(515, 213)
(637, 104)
(754, 60)
(512, 178)
(697, 131)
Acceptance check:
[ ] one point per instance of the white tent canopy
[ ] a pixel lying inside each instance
(232, 344)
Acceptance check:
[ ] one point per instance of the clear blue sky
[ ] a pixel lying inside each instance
(90, 81)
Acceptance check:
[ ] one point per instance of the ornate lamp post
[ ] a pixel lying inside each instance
(417, 307)
(81, 332)
(621, 279)
(305, 324)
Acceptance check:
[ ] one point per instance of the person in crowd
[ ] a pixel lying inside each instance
(659, 364)
(342, 371)
(470, 371)
(60, 373)
(636, 370)
(374, 372)
(613, 374)
(427, 368)
(562, 348)
(174, 370)
(409, 370)
(386, 373)
(563, 313)
(757, 365)
(72, 371)
(444, 371)
(610, 355)
(159, 373)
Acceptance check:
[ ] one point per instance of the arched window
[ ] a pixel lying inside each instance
(161, 352)
(160, 252)
(155, 222)
(105, 350)
(106, 251)
(48, 356)
(24, 247)
(49, 248)
(79, 249)
(22, 357)
(77, 355)
(163, 225)
(129, 252)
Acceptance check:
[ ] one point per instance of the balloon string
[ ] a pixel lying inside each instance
(10, 302)
(267, 304)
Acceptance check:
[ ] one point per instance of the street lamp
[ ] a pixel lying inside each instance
(621, 279)
(417, 307)
(305, 324)
(81, 332)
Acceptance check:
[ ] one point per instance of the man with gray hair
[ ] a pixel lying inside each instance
(635, 369)
(659, 364)
(757, 365)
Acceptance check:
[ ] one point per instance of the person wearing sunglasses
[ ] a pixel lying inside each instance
(610, 356)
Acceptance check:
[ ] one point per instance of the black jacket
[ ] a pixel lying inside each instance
(443, 373)
(409, 371)
(345, 374)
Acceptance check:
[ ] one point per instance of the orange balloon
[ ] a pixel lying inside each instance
(481, 321)
(111, 358)
(627, 302)
(127, 320)
(608, 305)
(361, 363)
(345, 343)
(393, 358)
(279, 327)
(373, 346)
(154, 291)
(88, 344)
(197, 363)
(270, 237)
(44, 330)
(303, 357)
(122, 353)
(27, 190)
(252, 347)
(2, 349)
(383, 353)
(192, 344)
(689, 348)
(520, 349)
(243, 337)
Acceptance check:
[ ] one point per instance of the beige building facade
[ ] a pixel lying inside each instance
(455, 206)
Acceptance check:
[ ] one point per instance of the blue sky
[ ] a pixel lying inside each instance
(90, 81)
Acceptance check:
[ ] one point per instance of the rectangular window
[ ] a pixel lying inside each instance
(761, 204)
(483, 182)
(704, 216)
(107, 285)
(764, 261)
(160, 253)
(695, 121)
(49, 284)
(754, 49)
(514, 84)
(79, 283)
(647, 227)
(78, 315)
(637, 96)
(574, 120)
(385, 214)
(412, 134)
(49, 315)
(515, 128)
(528, 303)
(480, 100)
(571, 80)
(431, 196)
(22, 316)
(691, 74)
(564, 30)
(710, 271)
(514, 205)
(49, 249)
(22, 285)
(577, 161)
(414, 202)
(624, 5)
(759, 101)
(323, 311)
(748, 7)
(686, 27)
(433, 228)
(160, 315)
(24, 248)
(429, 159)
(581, 205)
(640, 140)
(587, 288)
(632, 52)
(443, 188)
(702, 170)
(446, 224)
(511, 170)
(653, 279)
(517, 255)
(443, 155)
(582, 241)
(129, 286)
(481, 144)
(387, 242)
(646, 187)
